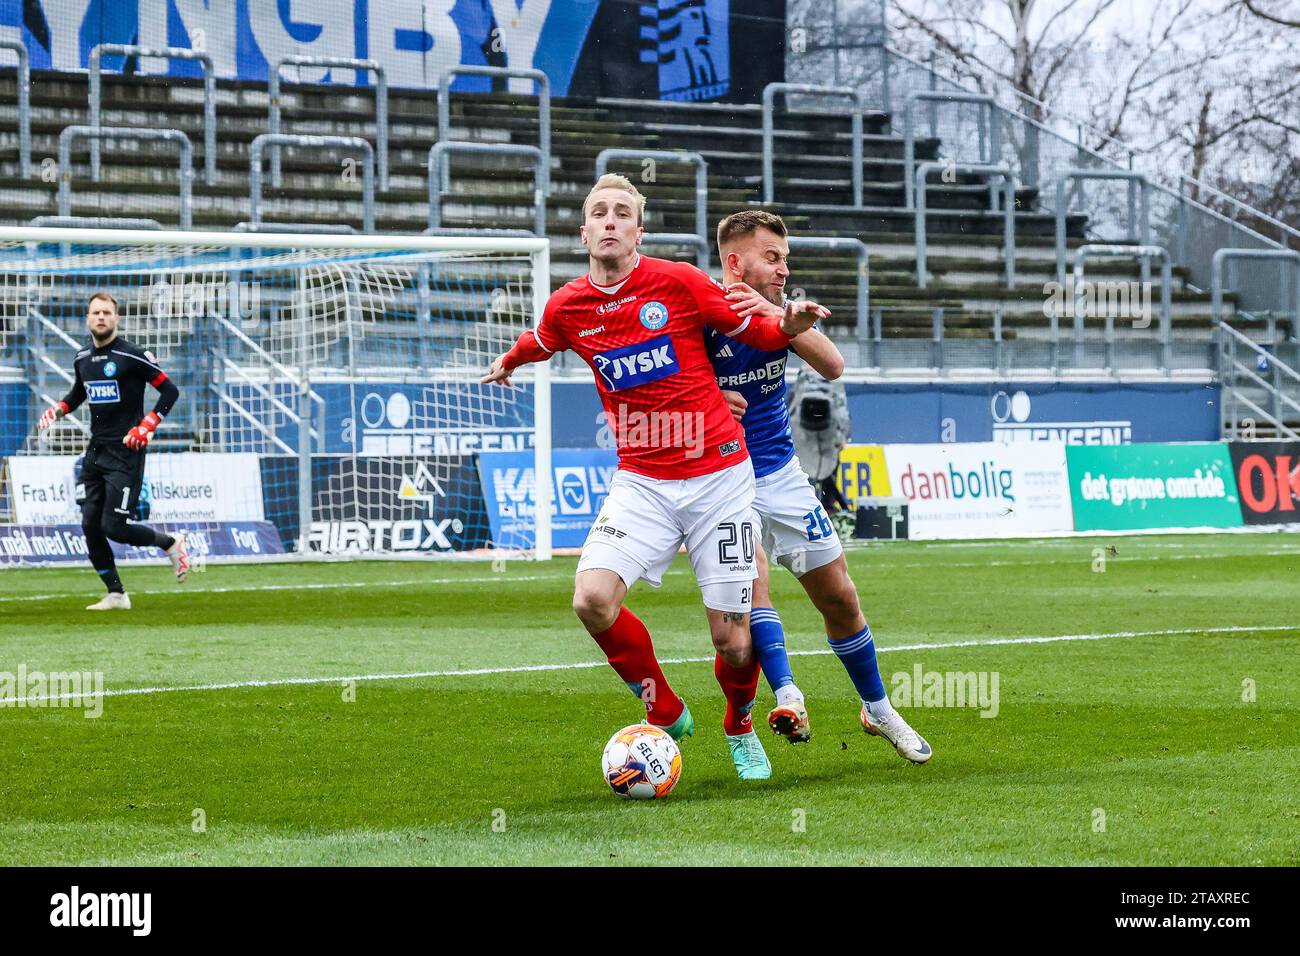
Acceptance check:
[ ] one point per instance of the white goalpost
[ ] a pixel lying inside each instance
(330, 399)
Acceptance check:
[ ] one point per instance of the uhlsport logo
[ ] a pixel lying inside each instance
(654, 316)
(110, 369)
(637, 364)
(103, 393)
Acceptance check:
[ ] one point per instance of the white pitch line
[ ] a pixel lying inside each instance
(587, 665)
(320, 586)
(875, 565)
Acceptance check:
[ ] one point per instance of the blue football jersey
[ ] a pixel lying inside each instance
(760, 377)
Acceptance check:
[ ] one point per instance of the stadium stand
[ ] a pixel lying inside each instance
(964, 318)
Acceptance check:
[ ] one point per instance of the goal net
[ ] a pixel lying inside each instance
(330, 399)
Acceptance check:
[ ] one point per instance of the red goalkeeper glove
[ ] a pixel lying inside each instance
(137, 438)
(51, 415)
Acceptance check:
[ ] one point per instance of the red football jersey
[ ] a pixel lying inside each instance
(642, 339)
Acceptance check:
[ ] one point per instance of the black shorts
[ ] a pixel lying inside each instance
(111, 475)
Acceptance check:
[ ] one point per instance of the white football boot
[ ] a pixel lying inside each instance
(112, 601)
(180, 558)
(891, 726)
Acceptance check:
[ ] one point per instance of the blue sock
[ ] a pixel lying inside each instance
(769, 647)
(857, 653)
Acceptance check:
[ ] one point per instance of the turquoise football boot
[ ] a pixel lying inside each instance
(683, 726)
(750, 758)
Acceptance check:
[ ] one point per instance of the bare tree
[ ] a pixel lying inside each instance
(1257, 9)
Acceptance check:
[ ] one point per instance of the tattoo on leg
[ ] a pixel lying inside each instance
(729, 617)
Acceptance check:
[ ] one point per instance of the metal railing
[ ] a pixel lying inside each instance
(862, 323)
(39, 365)
(701, 191)
(1166, 283)
(306, 228)
(95, 222)
(311, 400)
(1222, 256)
(24, 81)
(125, 132)
(1009, 211)
(1139, 213)
(264, 140)
(439, 163)
(1042, 147)
(90, 222)
(990, 140)
(381, 104)
(770, 93)
(543, 107)
(1022, 104)
(170, 53)
(1232, 370)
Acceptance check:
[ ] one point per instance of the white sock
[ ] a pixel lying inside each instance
(789, 695)
(880, 708)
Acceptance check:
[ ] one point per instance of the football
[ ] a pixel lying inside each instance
(642, 762)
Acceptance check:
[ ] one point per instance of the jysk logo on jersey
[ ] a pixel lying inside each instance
(103, 393)
(654, 316)
(110, 369)
(637, 364)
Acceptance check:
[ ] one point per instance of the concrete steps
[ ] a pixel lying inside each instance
(812, 172)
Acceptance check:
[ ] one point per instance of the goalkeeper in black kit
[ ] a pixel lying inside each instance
(111, 376)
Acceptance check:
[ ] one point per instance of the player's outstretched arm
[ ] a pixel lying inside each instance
(528, 348)
(52, 415)
(820, 353)
(740, 312)
(138, 438)
(497, 373)
(76, 395)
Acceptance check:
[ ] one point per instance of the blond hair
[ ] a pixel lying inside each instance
(746, 223)
(617, 181)
(104, 295)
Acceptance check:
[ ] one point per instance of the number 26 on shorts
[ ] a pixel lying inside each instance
(819, 526)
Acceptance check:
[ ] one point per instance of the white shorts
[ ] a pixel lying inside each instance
(797, 533)
(644, 522)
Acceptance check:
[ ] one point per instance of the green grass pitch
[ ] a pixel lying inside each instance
(1166, 732)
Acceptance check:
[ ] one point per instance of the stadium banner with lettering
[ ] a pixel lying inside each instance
(1268, 481)
(179, 487)
(1129, 487)
(1029, 412)
(396, 504)
(580, 479)
(863, 473)
(41, 544)
(981, 489)
(422, 419)
(656, 49)
(1009, 412)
